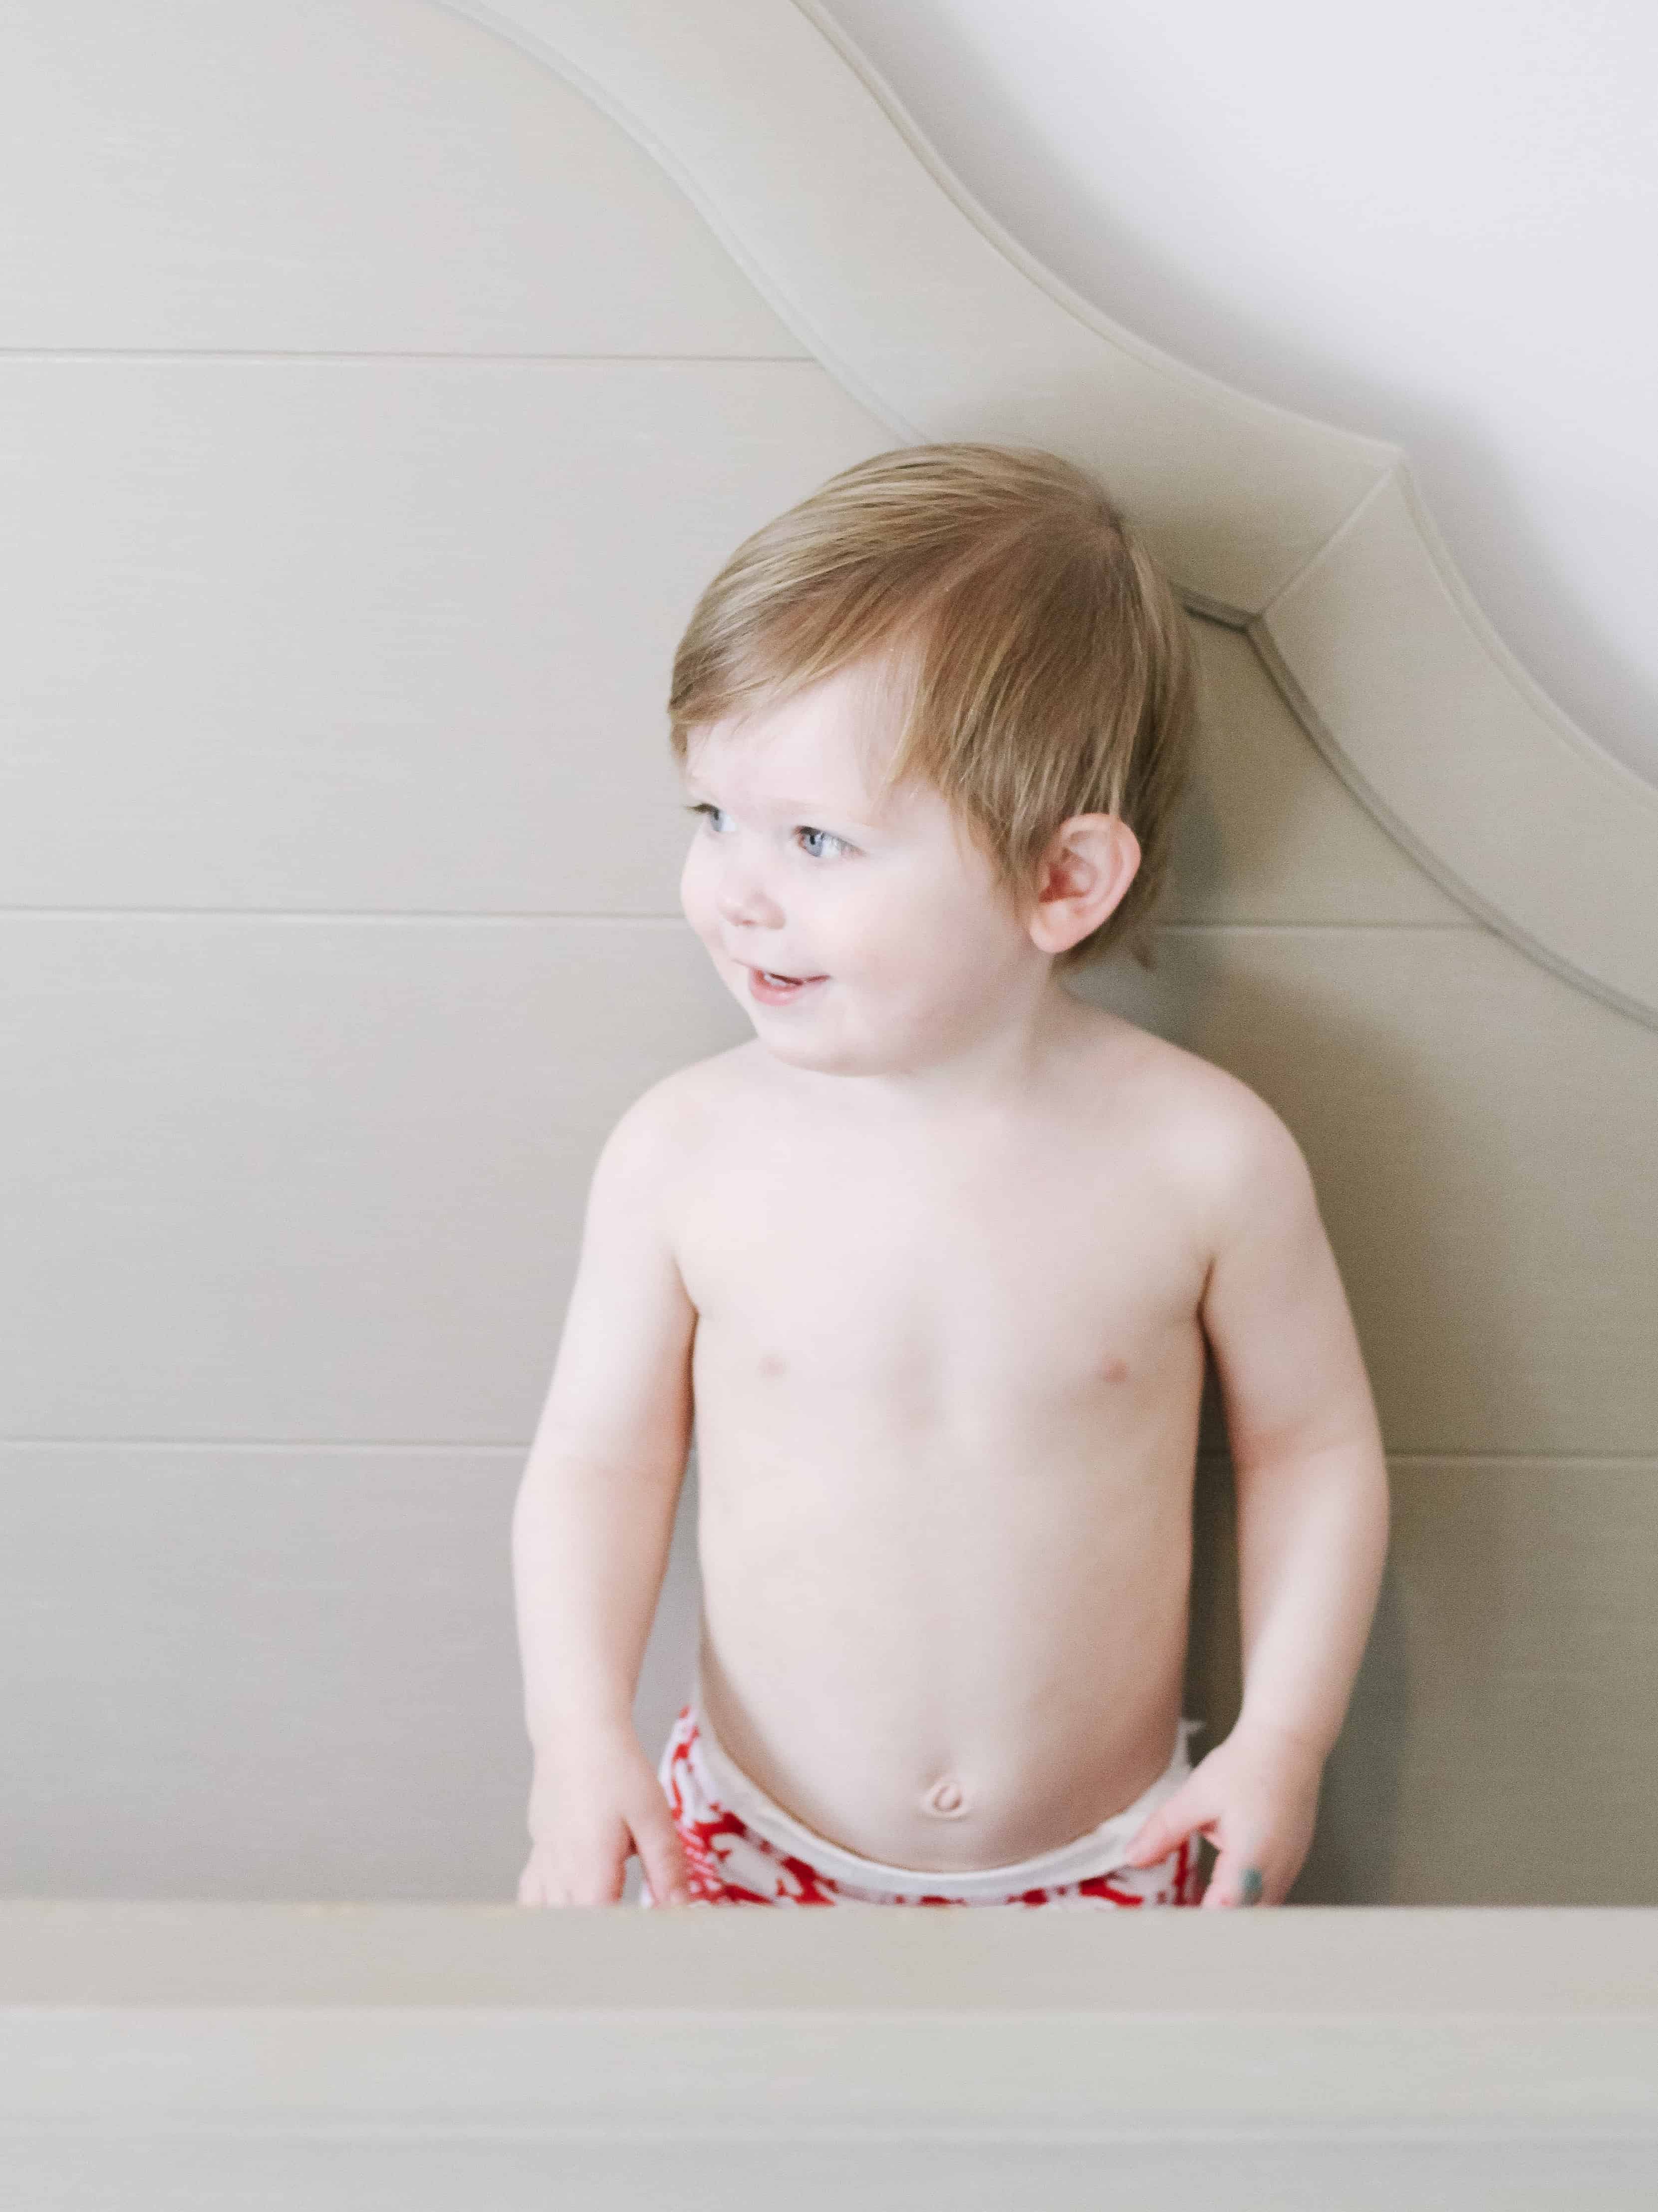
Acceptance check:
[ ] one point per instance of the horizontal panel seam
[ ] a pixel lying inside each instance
(254, 1444)
(1202, 928)
(388, 353)
(382, 914)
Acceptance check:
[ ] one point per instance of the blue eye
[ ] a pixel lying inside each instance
(706, 807)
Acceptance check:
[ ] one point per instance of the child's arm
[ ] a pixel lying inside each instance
(590, 1531)
(1311, 1485)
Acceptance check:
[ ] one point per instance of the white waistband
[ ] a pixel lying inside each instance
(1097, 1852)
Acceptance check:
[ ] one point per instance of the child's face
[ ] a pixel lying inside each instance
(913, 952)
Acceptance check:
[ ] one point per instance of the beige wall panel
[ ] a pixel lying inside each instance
(294, 1180)
(1498, 1747)
(396, 635)
(366, 176)
(1481, 1135)
(275, 1673)
(380, 635)
(1269, 832)
(302, 1177)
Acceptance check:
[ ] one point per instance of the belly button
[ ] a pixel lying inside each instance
(946, 1796)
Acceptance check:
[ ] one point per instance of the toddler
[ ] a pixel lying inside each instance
(933, 1261)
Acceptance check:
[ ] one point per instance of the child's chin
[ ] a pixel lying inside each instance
(799, 1052)
(820, 1057)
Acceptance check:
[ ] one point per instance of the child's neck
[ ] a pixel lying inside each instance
(989, 1077)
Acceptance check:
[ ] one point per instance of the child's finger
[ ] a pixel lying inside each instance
(538, 1884)
(1181, 1815)
(663, 1857)
(1238, 1879)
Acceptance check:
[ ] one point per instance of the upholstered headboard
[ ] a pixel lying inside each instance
(390, 381)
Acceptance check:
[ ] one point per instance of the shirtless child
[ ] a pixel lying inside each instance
(933, 1261)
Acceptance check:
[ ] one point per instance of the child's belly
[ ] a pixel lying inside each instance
(947, 1658)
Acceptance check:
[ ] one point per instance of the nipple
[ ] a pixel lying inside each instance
(945, 1797)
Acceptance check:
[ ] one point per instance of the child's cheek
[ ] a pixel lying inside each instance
(695, 898)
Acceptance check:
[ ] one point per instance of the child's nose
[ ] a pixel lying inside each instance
(743, 896)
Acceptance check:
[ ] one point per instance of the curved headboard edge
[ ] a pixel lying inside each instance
(748, 106)
(1397, 676)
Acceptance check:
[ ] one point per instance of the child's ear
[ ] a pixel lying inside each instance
(1083, 876)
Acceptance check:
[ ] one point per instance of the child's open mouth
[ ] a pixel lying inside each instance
(772, 990)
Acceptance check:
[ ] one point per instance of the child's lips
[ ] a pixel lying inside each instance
(773, 989)
(783, 974)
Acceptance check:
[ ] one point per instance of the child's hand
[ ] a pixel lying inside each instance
(590, 1810)
(1255, 1796)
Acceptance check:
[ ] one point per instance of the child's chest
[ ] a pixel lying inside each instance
(1004, 1280)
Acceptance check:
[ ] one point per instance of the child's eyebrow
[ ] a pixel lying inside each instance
(804, 809)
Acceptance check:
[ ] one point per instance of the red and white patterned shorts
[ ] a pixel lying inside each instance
(743, 1849)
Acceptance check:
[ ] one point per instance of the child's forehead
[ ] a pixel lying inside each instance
(829, 743)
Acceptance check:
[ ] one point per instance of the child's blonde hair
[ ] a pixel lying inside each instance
(1042, 664)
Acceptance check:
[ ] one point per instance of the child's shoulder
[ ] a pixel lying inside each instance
(678, 1108)
(1208, 1127)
